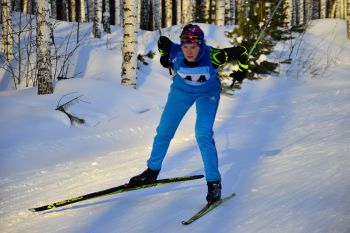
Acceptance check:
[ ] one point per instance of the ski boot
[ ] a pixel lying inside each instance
(149, 176)
(214, 192)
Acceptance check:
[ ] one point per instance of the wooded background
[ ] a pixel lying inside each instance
(132, 15)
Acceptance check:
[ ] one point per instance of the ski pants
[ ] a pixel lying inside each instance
(177, 105)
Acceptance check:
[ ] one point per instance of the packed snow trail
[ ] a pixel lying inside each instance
(284, 147)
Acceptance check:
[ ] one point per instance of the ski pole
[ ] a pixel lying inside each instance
(160, 32)
(262, 32)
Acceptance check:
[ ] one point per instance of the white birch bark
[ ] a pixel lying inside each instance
(220, 12)
(97, 18)
(316, 9)
(287, 4)
(168, 13)
(43, 51)
(6, 37)
(308, 10)
(82, 17)
(301, 12)
(178, 12)
(138, 21)
(107, 18)
(323, 9)
(117, 13)
(25, 6)
(348, 16)
(53, 9)
(129, 49)
(190, 11)
(66, 10)
(90, 4)
(341, 8)
(73, 11)
(294, 13)
(145, 11)
(156, 14)
(207, 11)
(230, 9)
(185, 12)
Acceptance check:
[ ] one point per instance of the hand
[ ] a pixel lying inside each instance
(238, 76)
(165, 62)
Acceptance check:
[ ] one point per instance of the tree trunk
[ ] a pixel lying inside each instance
(107, 18)
(53, 11)
(288, 6)
(323, 9)
(73, 11)
(43, 51)
(117, 13)
(220, 12)
(97, 18)
(168, 13)
(233, 10)
(6, 22)
(156, 14)
(145, 12)
(185, 11)
(348, 16)
(316, 9)
(129, 50)
(294, 13)
(301, 12)
(81, 13)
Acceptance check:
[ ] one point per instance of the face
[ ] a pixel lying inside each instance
(190, 51)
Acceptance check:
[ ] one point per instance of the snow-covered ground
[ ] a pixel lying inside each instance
(283, 143)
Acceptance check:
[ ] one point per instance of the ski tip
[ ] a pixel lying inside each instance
(32, 210)
(185, 223)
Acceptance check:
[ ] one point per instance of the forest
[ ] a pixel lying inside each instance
(31, 54)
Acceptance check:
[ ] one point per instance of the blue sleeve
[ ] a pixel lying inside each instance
(175, 48)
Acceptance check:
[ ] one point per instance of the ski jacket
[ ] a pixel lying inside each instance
(202, 75)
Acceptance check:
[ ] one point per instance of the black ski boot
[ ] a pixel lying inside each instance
(214, 192)
(147, 177)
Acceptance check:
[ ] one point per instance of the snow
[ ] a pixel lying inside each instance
(283, 143)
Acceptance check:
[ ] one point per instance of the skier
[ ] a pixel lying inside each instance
(196, 81)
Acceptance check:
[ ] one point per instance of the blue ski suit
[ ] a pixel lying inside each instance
(195, 82)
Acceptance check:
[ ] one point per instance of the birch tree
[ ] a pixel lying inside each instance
(129, 49)
(97, 18)
(73, 11)
(81, 13)
(220, 12)
(156, 14)
(117, 13)
(90, 10)
(301, 8)
(230, 12)
(43, 49)
(168, 20)
(107, 18)
(185, 12)
(145, 23)
(323, 9)
(6, 37)
(53, 10)
(348, 16)
(294, 13)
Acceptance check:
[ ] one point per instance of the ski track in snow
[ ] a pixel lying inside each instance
(283, 143)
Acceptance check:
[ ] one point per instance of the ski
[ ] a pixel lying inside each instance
(115, 190)
(206, 209)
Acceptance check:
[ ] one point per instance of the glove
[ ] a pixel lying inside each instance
(238, 76)
(165, 62)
